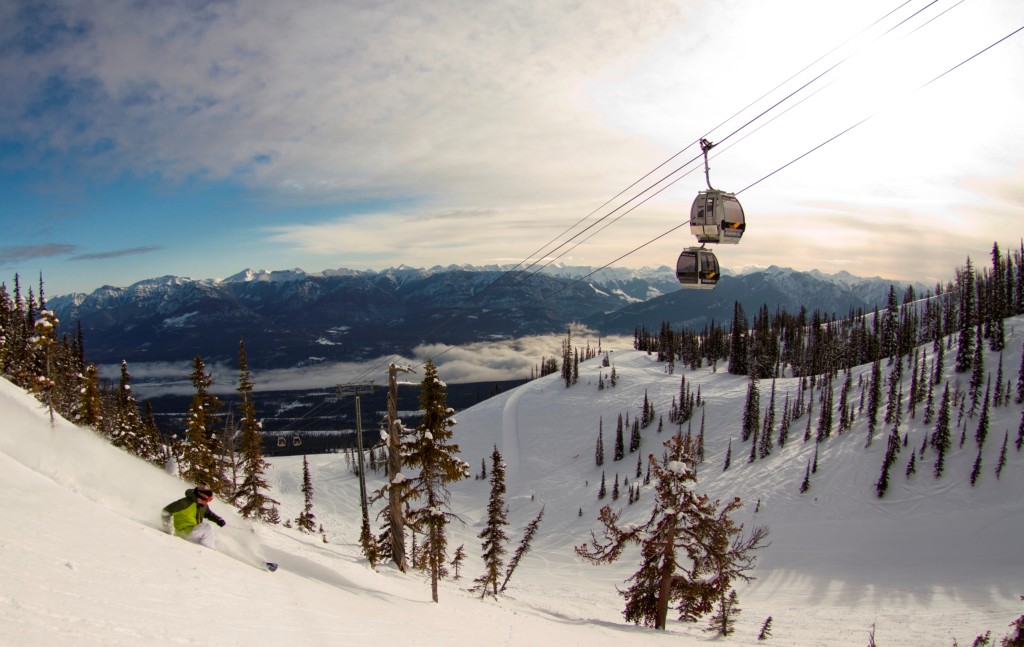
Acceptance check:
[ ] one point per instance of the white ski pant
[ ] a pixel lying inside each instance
(202, 534)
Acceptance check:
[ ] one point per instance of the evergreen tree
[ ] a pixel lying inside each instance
(723, 622)
(524, 546)
(982, 432)
(806, 484)
(615, 488)
(891, 453)
(997, 397)
(751, 410)
(825, 419)
(306, 521)
(728, 453)
(250, 497)
(766, 629)
(634, 437)
(977, 375)
(493, 535)
(966, 339)
(456, 563)
(691, 551)
(1020, 379)
(127, 428)
(90, 408)
(202, 462)
(599, 449)
(620, 444)
(874, 399)
(912, 465)
(1020, 433)
(436, 457)
(602, 492)
(976, 470)
(1001, 463)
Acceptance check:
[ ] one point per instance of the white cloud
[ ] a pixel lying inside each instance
(479, 362)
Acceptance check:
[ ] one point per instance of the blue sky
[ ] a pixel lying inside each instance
(140, 139)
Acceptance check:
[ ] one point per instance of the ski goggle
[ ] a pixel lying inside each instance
(204, 496)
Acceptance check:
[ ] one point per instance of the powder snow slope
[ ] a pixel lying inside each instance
(83, 561)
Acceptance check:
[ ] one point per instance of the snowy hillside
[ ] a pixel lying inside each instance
(85, 563)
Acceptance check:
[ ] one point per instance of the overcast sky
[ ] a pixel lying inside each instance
(141, 138)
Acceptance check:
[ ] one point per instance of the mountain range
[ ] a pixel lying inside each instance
(293, 318)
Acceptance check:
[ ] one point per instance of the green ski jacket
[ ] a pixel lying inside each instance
(186, 513)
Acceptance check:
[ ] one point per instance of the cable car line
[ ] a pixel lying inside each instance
(791, 162)
(538, 255)
(692, 251)
(727, 120)
(730, 135)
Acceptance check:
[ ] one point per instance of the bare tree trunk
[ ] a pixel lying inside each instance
(668, 567)
(395, 514)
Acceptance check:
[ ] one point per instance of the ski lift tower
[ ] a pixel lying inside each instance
(356, 390)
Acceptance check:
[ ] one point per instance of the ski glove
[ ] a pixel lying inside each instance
(221, 523)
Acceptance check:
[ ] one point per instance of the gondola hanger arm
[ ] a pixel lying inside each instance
(705, 146)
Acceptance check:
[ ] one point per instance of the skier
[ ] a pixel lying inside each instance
(187, 517)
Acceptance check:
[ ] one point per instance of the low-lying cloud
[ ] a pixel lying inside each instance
(489, 361)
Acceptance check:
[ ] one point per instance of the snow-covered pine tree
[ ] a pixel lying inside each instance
(127, 428)
(203, 461)
(90, 408)
(599, 449)
(436, 457)
(306, 521)
(728, 453)
(493, 535)
(874, 399)
(602, 491)
(634, 436)
(806, 484)
(691, 550)
(524, 546)
(251, 498)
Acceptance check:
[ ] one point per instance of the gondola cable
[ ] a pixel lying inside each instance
(540, 250)
(793, 161)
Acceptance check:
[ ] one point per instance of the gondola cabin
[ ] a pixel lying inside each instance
(281, 442)
(697, 268)
(717, 217)
(296, 441)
